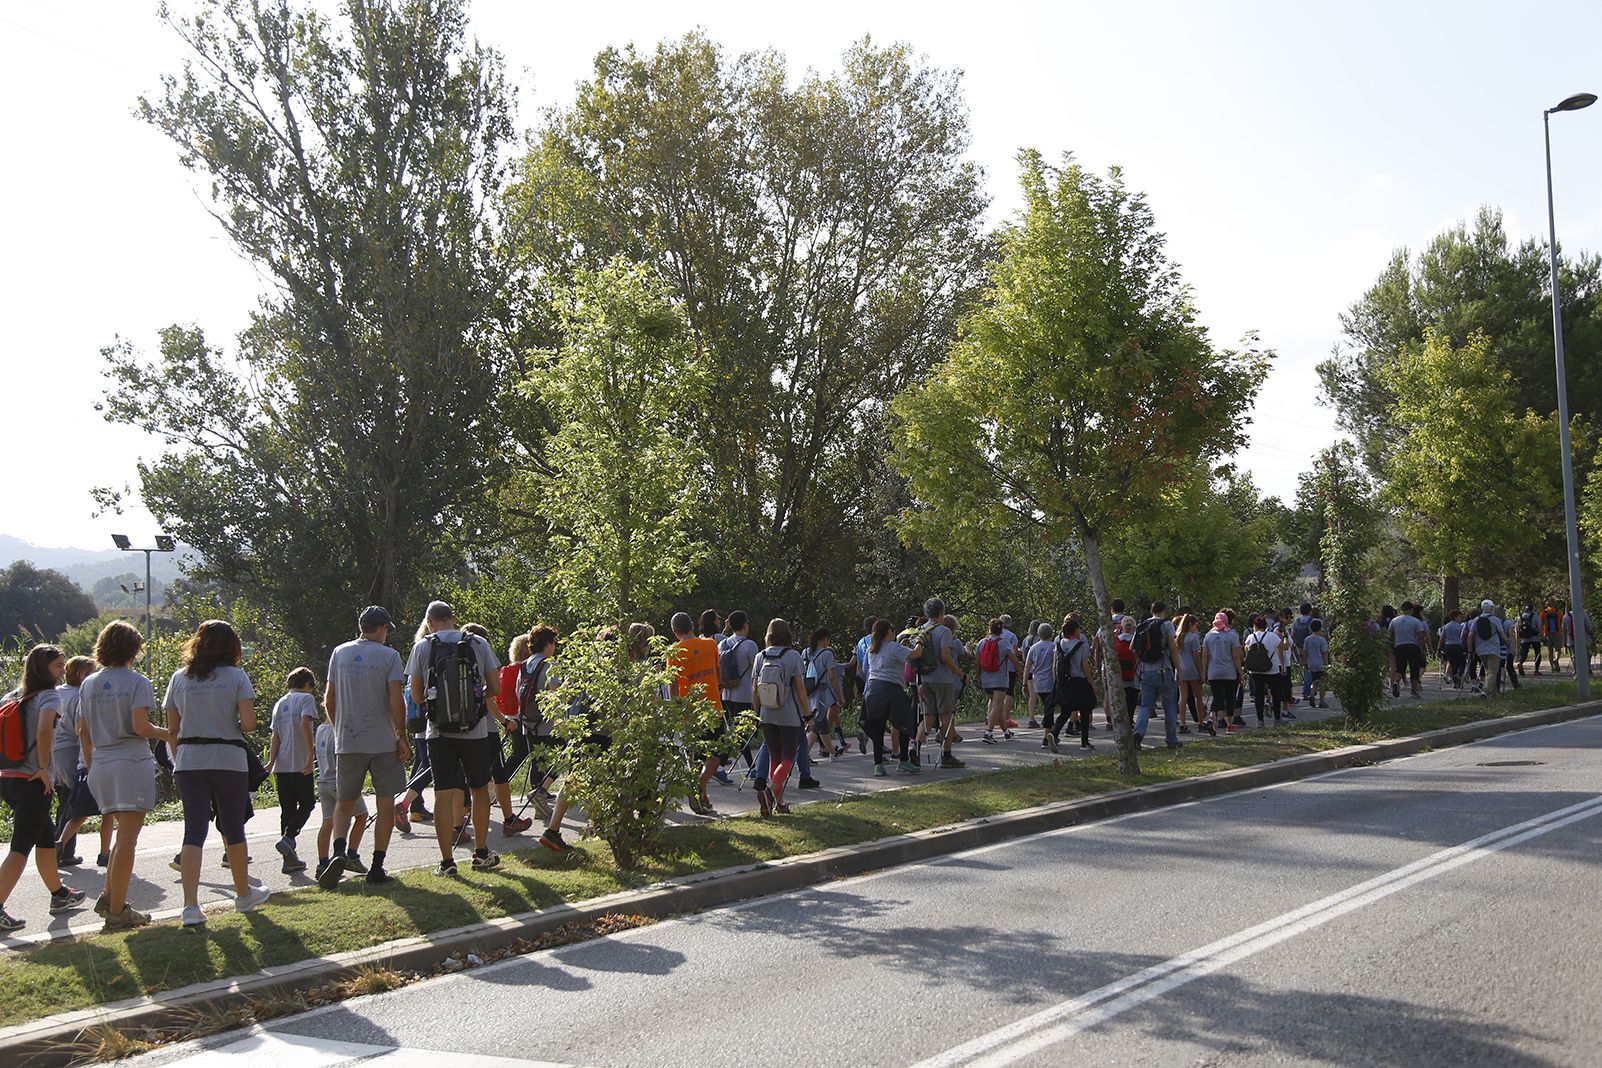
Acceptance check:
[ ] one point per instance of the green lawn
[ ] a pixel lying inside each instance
(312, 923)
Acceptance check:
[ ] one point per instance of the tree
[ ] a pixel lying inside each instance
(1081, 389)
(1474, 482)
(820, 232)
(358, 165)
(1346, 497)
(36, 604)
(618, 482)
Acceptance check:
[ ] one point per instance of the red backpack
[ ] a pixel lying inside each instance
(14, 742)
(990, 654)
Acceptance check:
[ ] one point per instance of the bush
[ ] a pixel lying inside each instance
(622, 758)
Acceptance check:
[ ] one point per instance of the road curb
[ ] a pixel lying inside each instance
(53, 1040)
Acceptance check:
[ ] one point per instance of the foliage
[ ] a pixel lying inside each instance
(39, 603)
(618, 483)
(1475, 484)
(357, 165)
(1081, 390)
(620, 761)
(820, 232)
(1467, 280)
(115, 592)
(1357, 650)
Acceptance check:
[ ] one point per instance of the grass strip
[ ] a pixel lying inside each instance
(63, 976)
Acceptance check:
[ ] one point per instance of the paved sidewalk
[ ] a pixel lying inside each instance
(155, 885)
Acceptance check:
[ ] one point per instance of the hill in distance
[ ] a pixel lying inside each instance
(85, 567)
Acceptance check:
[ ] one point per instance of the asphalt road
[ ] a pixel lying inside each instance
(1436, 910)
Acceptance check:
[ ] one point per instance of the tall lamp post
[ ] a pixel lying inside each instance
(165, 543)
(1582, 654)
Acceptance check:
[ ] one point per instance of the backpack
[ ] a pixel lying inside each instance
(529, 686)
(14, 740)
(1148, 642)
(812, 674)
(1258, 659)
(990, 654)
(1301, 629)
(729, 673)
(456, 683)
(927, 661)
(1529, 626)
(1063, 668)
(1484, 629)
(771, 682)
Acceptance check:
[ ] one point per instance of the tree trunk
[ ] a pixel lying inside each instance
(1449, 594)
(1112, 682)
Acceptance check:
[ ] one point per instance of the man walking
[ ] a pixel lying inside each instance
(363, 699)
(1157, 663)
(939, 682)
(1408, 635)
(695, 674)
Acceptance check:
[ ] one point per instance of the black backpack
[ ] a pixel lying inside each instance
(1484, 630)
(729, 673)
(1063, 669)
(1529, 626)
(1148, 642)
(457, 685)
(529, 685)
(1258, 659)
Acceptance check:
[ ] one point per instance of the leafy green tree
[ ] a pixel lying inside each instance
(1346, 496)
(36, 604)
(1474, 482)
(1123, 395)
(619, 481)
(820, 232)
(357, 163)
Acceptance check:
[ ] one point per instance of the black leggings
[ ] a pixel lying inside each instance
(886, 704)
(297, 796)
(31, 826)
(507, 764)
(1271, 685)
(227, 793)
(1224, 693)
(1079, 698)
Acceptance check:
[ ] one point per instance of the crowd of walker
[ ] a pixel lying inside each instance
(79, 731)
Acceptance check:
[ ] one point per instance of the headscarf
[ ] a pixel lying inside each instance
(1221, 622)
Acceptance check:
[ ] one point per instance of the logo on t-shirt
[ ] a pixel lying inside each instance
(357, 658)
(107, 686)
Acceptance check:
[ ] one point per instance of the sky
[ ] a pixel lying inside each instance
(1287, 149)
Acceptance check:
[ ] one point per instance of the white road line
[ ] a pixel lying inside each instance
(300, 1051)
(1033, 1033)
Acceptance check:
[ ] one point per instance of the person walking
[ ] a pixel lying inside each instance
(1073, 684)
(291, 749)
(210, 706)
(1409, 634)
(25, 785)
(936, 663)
(1529, 628)
(996, 660)
(1265, 661)
(363, 700)
(781, 697)
(694, 661)
(1221, 665)
(885, 702)
(510, 752)
(1453, 651)
(1128, 664)
(1485, 645)
(66, 760)
(736, 655)
(117, 732)
(1157, 654)
(1040, 677)
(822, 683)
(1315, 657)
(1190, 674)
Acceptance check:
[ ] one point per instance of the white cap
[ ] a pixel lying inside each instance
(1487, 604)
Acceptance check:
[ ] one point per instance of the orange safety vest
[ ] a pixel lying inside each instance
(695, 666)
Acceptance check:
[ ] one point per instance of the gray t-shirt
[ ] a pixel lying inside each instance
(745, 651)
(1009, 645)
(488, 667)
(1074, 651)
(1039, 664)
(1408, 630)
(34, 710)
(941, 641)
(290, 711)
(786, 669)
(889, 664)
(1316, 648)
(360, 673)
(1221, 646)
(1190, 656)
(822, 665)
(1154, 667)
(106, 703)
(65, 740)
(323, 741)
(209, 708)
(1002, 676)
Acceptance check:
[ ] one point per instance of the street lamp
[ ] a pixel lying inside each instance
(1582, 654)
(165, 543)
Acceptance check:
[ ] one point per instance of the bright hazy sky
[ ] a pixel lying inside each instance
(1286, 148)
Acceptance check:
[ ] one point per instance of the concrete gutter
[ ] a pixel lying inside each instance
(52, 1040)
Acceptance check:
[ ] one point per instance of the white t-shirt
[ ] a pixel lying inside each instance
(1270, 641)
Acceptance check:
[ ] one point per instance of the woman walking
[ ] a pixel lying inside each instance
(1265, 661)
(1190, 675)
(210, 707)
(66, 758)
(1072, 684)
(116, 735)
(781, 696)
(26, 786)
(885, 702)
(1221, 666)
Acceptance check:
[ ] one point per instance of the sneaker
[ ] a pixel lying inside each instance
(764, 805)
(446, 868)
(486, 860)
(377, 875)
(353, 862)
(1211, 730)
(1396, 689)
(420, 813)
(292, 866)
(101, 907)
(102, 859)
(1325, 704)
(252, 899)
(1086, 745)
(697, 805)
(66, 860)
(878, 769)
(949, 761)
(809, 783)
(402, 823)
(1184, 728)
(862, 742)
(955, 738)
(908, 767)
(126, 920)
(285, 847)
(542, 804)
(988, 738)
(1237, 721)
(1051, 743)
(329, 876)
(1140, 741)
(1034, 724)
(1229, 728)
(248, 859)
(193, 917)
(1006, 736)
(66, 899)
(516, 824)
(9, 922)
(1288, 714)
(1177, 745)
(176, 863)
(552, 838)
(723, 777)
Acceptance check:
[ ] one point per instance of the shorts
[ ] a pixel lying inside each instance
(326, 800)
(123, 785)
(998, 689)
(1012, 684)
(939, 698)
(350, 769)
(1316, 676)
(710, 743)
(1409, 659)
(461, 763)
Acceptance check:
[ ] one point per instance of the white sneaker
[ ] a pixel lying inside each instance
(252, 900)
(193, 917)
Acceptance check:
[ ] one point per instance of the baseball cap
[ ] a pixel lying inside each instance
(1487, 604)
(373, 617)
